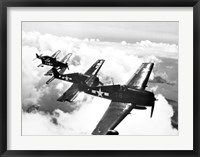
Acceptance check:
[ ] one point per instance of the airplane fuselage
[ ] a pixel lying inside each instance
(81, 79)
(118, 93)
(46, 60)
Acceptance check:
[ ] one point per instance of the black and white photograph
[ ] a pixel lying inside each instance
(99, 78)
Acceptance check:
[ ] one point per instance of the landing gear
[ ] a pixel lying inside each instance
(112, 132)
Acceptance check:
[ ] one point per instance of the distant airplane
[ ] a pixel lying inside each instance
(52, 61)
(124, 98)
(89, 78)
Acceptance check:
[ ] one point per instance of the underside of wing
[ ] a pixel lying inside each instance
(140, 78)
(66, 58)
(49, 73)
(70, 94)
(40, 65)
(55, 54)
(115, 113)
(94, 69)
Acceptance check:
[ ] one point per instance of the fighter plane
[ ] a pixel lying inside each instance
(123, 98)
(52, 60)
(89, 78)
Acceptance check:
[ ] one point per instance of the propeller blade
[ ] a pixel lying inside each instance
(152, 109)
(112, 81)
(100, 83)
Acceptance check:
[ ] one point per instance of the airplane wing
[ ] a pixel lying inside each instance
(94, 69)
(55, 54)
(115, 113)
(40, 65)
(49, 73)
(73, 77)
(70, 94)
(66, 58)
(140, 78)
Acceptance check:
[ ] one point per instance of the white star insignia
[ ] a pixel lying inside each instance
(99, 92)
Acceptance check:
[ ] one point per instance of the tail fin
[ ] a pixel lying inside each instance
(55, 72)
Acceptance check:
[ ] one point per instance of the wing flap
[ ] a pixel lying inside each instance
(140, 78)
(115, 113)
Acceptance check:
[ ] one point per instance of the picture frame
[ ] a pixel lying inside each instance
(98, 3)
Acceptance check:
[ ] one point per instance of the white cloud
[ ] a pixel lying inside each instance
(121, 63)
(140, 123)
(84, 120)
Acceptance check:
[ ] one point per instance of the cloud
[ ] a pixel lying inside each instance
(81, 116)
(140, 123)
(83, 120)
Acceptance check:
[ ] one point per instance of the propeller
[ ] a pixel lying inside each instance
(37, 56)
(152, 109)
(112, 81)
(100, 83)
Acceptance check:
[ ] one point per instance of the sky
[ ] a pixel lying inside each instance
(123, 54)
(166, 32)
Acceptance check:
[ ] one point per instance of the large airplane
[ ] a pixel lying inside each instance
(123, 99)
(89, 78)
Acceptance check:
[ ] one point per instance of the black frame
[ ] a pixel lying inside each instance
(98, 3)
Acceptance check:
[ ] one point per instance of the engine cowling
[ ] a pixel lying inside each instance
(112, 132)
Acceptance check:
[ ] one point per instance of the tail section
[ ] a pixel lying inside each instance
(56, 74)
